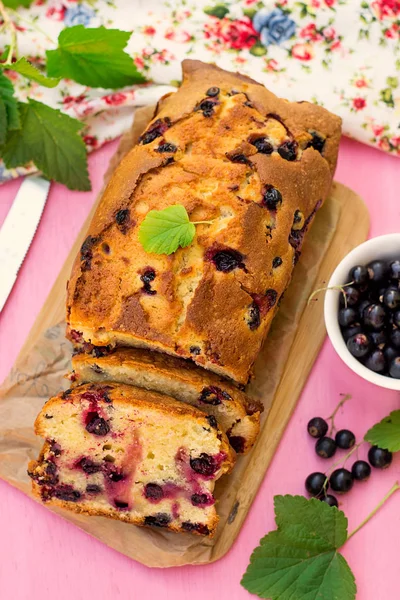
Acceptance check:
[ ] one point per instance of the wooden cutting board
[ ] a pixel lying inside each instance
(350, 229)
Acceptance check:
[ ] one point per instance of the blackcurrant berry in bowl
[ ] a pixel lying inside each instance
(347, 316)
(361, 470)
(341, 481)
(374, 316)
(330, 500)
(317, 427)
(315, 484)
(345, 439)
(369, 279)
(394, 368)
(325, 447)
(359, 345)
(380, 458)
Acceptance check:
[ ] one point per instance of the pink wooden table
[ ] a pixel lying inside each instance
(43, 557)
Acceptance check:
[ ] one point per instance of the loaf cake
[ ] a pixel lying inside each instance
(229, 151)
(137, 456)
(237, 415)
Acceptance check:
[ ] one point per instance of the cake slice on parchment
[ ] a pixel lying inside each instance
(122, 452)
(236, 413)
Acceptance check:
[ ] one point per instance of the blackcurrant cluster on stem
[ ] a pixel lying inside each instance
(340, 480)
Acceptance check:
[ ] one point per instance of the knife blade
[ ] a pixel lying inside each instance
(18, 230)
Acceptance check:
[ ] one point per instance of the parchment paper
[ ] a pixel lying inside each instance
(39, 375)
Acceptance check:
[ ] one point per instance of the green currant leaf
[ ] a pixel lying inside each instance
(16, 3)
(3, 121)
(11, 104)
(386, 434)
(300, 559)
(164, 231)
(52, 142)
(93, 57)
(25, 68)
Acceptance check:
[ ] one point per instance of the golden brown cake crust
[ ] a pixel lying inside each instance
(195, 306)
(107, 444)
(238, 415)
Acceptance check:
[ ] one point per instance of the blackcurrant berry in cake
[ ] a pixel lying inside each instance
(376, 361)
(394, 368)
(317, 141)
(166, 147)
(288, 150)
(359, 345)
(350, 331)
(253, 316)
(204, 465)
(207, 107)
(317, 427)
(276, 262)
(390, 353)
(158, 520)
(378, 337)
(201, 500)
(391, 298)
(350, 297)
(87, 252)
(55, 448)
(114, 474)
(238, 443)
(315, 484)
(271, 296)
(195, 350)
(199, 527)
(359, 275)
(345, 439)
(379, 457)
(263, 145)
(147, 277)
(121, 505)
(341, 481)
(122, 216)
(212, 421)
(374, 316)
(325, 447)
(330, 500)
(66, 493)
(213, 395)
(92, 489)
(361, 470)
(227, 260)
(155, 130)
(395, 338)
(153, 491)
(97, 425)
(272, 197)
(378, 271)
(88, 466)
(347, 316)
(212, 91)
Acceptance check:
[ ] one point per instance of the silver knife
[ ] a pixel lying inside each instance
(18, 230)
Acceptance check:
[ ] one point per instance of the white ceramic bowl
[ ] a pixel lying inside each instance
(382, 247)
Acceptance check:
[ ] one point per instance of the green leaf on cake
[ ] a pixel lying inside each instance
(10, 103)
(52, 142)
(25, 68)
(94, 57)
(386, 434)
(300, 559)
(164, 231)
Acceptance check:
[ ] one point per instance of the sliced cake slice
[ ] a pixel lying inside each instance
(130, 454)
(238, 416)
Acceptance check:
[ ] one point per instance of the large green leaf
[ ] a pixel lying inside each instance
(52, 142)
(93, 57)
(11, 104)
(300, 561)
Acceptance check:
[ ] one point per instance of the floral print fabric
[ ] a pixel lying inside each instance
(341, 54)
